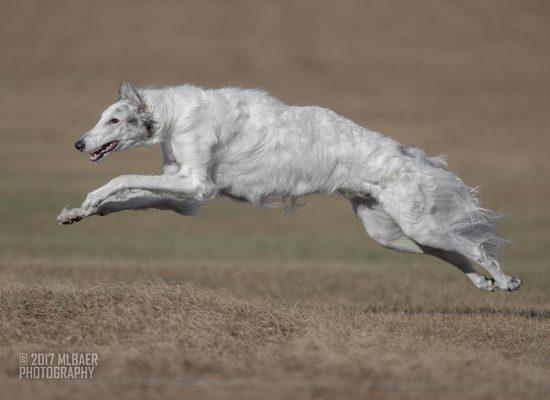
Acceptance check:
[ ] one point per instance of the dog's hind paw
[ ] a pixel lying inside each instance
(484, 283)
(67, 217)
(512, 284)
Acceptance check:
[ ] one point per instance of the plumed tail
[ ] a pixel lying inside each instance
(475, 226)
(435, 208)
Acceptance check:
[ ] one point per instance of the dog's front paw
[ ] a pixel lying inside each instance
(68, 217)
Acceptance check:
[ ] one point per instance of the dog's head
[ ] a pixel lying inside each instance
(123, 125)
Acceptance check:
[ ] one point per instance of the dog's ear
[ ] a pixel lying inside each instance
(127, 91)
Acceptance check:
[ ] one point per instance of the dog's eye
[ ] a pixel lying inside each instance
(114, 121)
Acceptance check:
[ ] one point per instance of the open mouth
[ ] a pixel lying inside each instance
(106, 148)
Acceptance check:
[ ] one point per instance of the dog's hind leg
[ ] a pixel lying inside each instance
(504, 281)
(500, 279)
(434, 208)
(463, 264)
(383, 229)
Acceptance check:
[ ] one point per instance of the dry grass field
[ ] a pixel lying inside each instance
(243, 303)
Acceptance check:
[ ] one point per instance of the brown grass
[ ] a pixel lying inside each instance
(184, 340)
(242, 303)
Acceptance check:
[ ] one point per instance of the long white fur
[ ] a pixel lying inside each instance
(247, 145)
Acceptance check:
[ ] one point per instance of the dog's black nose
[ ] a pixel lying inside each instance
(80, 145)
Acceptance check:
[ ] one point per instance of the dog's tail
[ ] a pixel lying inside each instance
(436, 208)
(458, 207)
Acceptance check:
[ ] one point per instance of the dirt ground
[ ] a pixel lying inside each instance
(244, 303)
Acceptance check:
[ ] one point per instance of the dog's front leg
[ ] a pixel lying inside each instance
(181, 185)
(132, 200)
(187, 187)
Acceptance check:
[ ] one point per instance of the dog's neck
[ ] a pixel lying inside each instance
(175, 111)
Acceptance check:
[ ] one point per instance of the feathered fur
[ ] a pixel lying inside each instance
(247, 145)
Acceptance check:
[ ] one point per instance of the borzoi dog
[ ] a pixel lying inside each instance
(249, 146)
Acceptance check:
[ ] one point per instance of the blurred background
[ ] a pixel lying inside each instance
(468, 79)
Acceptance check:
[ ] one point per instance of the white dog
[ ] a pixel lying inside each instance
(249, 146)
